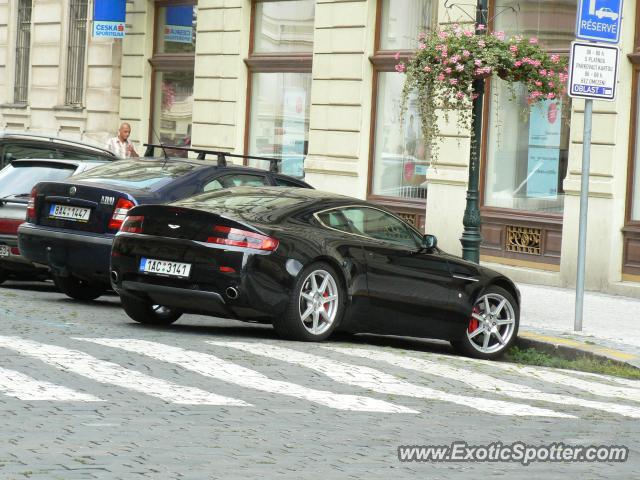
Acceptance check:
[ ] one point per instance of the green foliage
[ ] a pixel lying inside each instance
(531, 356)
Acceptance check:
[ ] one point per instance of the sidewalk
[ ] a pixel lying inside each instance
(610, 324)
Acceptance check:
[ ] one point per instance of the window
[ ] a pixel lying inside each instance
(23, 47)
(243, 180)
(283, 182)
(527, 153)
(635, 181)
(280, 82)
(372, 223)
(399, 162)
(76, 51)
(19, 178)
(13, 152)
(173, 66)
(631, 230)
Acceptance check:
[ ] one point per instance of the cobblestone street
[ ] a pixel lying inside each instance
(86, 393)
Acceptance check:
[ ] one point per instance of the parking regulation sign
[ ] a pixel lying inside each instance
(599, 20)
(594, 71)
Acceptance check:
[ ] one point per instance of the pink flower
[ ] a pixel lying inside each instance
(498, 35)
(453, 81)
(427, 69)
(555, 58)
(543, 72)
(397, 56)
(455, 59)
(533, 40)
(474, 96)
(468, 33)
(400, 68)
(551, 84)
(538, 83)
(477, 62)
(459, 95)
(441, 77)
(481, 43)
(442, 34)
(447, 70)
(481, 27)
(422, 46)
(513, 48)
(551, 96)
(466, 53)
(459, 67)
(517, 63)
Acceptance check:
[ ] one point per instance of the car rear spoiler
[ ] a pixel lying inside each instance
(202, 154)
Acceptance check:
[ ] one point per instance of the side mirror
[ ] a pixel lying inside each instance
(429, 242)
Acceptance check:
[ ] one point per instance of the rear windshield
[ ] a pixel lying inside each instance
(138, 174)
(20, 178)
(249, 204)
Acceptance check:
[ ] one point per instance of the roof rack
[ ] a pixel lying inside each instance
(202, 153)
(55, 139)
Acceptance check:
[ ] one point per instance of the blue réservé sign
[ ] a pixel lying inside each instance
(599, 20)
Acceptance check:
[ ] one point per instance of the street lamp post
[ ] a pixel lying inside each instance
(471, 237)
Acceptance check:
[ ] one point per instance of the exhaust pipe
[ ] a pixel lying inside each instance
(114, 276)
(232, 293)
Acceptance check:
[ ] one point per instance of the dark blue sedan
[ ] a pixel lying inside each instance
(71, 225)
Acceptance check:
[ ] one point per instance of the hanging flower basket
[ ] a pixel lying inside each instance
(446, 63)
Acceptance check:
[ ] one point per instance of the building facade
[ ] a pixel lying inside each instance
(55, 78)
(313, 82)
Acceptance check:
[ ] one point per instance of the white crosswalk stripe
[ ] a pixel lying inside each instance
(381, 382)
(622, 381)
(214, 367)
(86, 365)
(595, 388)
(24, 387)
(482, 381)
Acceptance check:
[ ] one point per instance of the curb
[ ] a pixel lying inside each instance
(572, 349)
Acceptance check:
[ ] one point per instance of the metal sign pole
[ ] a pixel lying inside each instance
(584, 207)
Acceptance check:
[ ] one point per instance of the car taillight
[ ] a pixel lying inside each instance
(31, 206)
(120, 213)
(242, 238)
(132, 224)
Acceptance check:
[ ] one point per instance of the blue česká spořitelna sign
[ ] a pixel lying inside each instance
(109, 18)
(599, 20)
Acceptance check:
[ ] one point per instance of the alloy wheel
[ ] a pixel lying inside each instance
(318, 303)
(492, 323)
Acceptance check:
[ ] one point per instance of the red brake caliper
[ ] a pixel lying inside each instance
(473, 323)
(325, 295)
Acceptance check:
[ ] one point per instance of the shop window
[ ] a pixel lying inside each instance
(280, 83)
(527, 152)
(399, 158)
(173, 67)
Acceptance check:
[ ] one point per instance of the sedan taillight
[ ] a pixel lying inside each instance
(120, 213)
(132, 224)
(242, 238)
(31, 206)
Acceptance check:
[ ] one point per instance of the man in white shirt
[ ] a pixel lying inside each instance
(120, 145)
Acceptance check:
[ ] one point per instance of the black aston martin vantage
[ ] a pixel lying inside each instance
(310, 263)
